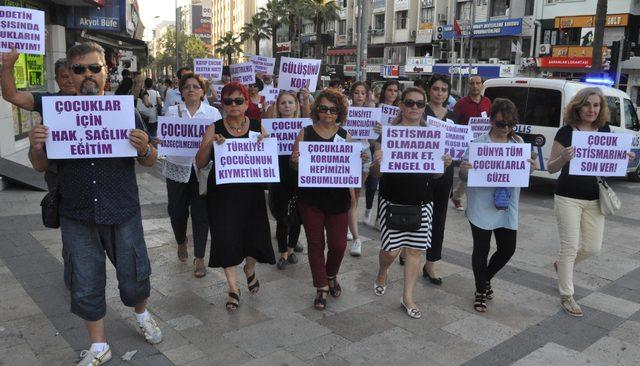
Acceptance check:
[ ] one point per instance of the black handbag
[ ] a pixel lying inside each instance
(50, 205)
(403, 218)
(292, 216)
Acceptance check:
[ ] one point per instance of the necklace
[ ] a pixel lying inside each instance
(237, 129)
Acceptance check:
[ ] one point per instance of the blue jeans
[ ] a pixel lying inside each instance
(86, 246)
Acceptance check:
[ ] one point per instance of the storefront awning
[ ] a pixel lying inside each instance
(116, 41)
(341, 51)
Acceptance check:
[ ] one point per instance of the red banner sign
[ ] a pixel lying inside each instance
(565, 62)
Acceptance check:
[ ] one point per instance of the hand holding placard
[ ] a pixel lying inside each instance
(408, 149)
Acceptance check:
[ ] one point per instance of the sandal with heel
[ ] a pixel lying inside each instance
(480, 303)
(334, 287)
(320, 302)
(233, 306)
(256, 286)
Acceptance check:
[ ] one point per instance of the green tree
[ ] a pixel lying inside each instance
(256, 30)
(194, 48)
(275, 15)
(228, 45)
(295, 10)
(321, 12)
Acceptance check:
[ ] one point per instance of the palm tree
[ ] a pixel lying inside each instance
(295, 9)
(256, 30)
(274, 14)
(596, 53)
(321, 12)
(228, 45)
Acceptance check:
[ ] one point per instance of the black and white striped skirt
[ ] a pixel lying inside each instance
(396, 239)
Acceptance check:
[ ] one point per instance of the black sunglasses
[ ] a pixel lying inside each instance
(502, 124)
(329, 110)
(410, 103)
(230, 101)
(79, 69)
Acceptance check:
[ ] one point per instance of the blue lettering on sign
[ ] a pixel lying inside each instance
(503, 27)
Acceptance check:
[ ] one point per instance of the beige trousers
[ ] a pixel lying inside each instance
(581, 229)
(459, 192)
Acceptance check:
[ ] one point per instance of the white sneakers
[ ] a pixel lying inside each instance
(349, 235)
(356, 248)
(95, 358)
(150, 330)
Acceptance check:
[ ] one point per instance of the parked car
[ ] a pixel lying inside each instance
(541, 104)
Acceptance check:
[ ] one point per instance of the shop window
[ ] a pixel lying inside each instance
(499, 8)
(401, 19)
(569, 36)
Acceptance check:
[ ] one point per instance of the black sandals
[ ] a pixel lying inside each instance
(480, 304)
(334, 287)
(233, 306)
(320, 302)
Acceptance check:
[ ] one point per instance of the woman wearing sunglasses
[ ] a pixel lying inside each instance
(438, 90)
(286, 106)
(359, 94)
(182, 179)
(488, 216)
(324, 208)
(237, 212)
(405, 189)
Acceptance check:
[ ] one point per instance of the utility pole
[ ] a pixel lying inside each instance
(473, 21)
(359, 41)
(177, 32)
(365, 38)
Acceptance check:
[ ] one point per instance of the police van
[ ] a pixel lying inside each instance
(541, 104)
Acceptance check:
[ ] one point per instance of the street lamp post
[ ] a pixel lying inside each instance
(177, 31)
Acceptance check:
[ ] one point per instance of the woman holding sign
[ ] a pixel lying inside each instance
(183, 192)
(237, 212)
(405, 191)
(324, 209)
(286, 106)
(359, 94)
(438, 91)
(576, 200)
(493, 210)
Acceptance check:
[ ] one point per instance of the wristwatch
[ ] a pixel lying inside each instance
(147, 153)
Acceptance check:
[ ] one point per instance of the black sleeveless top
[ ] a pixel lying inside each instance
(329, 200)
(406, 188)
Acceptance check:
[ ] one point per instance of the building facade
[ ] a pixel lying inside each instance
(232, 15)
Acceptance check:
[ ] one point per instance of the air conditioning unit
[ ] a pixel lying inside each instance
(442, 17)
(444, 55)
(413, 34)
(494, 60)
(544, 49)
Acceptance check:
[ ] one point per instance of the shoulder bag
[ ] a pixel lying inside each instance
(404, 217)
(50, 206)
(609, 201)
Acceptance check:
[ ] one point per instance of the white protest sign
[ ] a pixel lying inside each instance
(361, 122)
(180, 136)
(285, 130)
(270, 94)
(479, 126)
(243, 73)
(298, 73)
(218, 89)
(208, 68)
(408, 149)
(499, 165)
(246, 161)
(600, 153)
(22, 29)
(330, 164)
(388, 114)
(263, 64)
(457, 137)
(89, 127)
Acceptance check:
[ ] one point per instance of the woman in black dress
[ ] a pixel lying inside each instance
(237, 212)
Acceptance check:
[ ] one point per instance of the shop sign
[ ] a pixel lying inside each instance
(577, 51)
(35, 69)
(565, 62)
(349, 70)
(424, 35)
(20, 72)
(390, 71)
(399, 5)
(588, 21)
(201, 24)
(342, 40)
(283, 47)
(419, 64)
(494, 28)
(373, 68)
(108, 17)
(486, 71)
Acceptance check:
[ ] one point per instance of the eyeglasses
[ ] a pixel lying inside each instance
(328, 110)
(230, 101)
(191, 87)
(502, 124)
(79, 69)
(410, 103)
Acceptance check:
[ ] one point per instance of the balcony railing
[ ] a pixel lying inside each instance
(375, 61)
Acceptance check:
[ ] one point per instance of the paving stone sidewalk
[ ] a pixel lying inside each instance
(523, 326)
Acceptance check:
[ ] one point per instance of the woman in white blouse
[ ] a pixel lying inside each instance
(182, 178)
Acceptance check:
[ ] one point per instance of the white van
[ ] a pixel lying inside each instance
(541, 104)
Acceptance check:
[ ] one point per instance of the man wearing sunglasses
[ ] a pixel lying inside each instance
(100, 217)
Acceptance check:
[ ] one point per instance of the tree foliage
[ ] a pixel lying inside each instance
(256, 30)
(228, 45)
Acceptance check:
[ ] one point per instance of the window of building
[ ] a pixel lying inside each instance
(308, 28)
(378, 21)
(499, 8)
(342, 27)
(463, 10)
(569, 36)
(528, 7)
(426, 14)
(396, 55)
(401, 19)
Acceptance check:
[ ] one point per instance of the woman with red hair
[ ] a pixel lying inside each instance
(237, 212)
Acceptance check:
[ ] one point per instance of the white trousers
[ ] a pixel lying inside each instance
(581, 229)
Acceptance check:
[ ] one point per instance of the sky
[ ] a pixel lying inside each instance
(164, 9)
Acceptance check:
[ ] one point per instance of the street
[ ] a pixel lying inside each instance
(524, 323)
